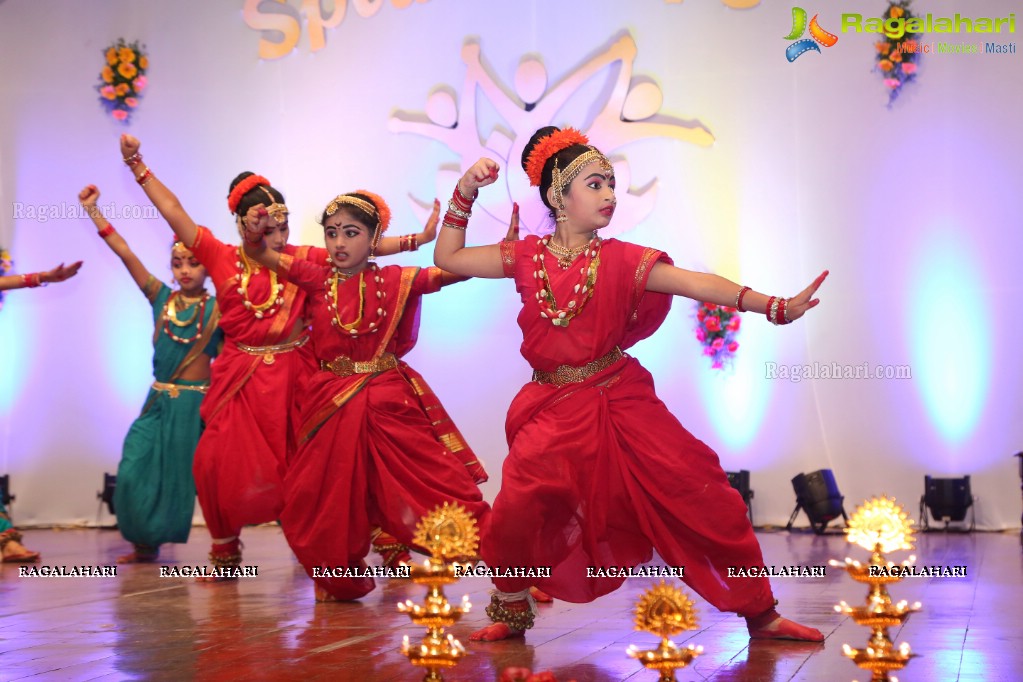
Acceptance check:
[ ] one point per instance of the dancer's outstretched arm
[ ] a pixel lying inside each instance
(33, 279)
(88, 198)
(164, 200)
(701, 286)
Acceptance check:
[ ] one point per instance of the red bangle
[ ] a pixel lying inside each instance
(738, 299)
(783, 313)
(32, 280)
(133, 160)
(780, 317)
(770, 304)
(106, 231)
(452, 219)
(461, 201)
(413, 242)
(144, 178)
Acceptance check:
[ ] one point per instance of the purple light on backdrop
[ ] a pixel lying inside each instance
(951, 346)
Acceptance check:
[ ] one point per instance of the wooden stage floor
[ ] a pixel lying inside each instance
(138, 626)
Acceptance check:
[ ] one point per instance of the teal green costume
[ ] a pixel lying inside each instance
(155, 494)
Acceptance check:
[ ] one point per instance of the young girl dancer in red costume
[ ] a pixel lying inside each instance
(599, 473)
(376, 447)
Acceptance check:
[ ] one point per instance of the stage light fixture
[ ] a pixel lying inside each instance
(740, 481)
(948, 500)
(106, 495)
(1019, 455)
(817, 494)
(5, 490)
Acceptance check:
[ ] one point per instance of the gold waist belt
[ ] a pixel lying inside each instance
(174, 390)
(268, 352)
(567, 374)
(344, 366)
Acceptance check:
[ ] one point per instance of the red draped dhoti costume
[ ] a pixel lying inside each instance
(375, 445)
(599, 472)
(249, 411)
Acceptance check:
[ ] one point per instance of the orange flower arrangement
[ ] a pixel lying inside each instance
(383, 210)
(243, 188)
(122, 78)
(896, 57)
(548, 147)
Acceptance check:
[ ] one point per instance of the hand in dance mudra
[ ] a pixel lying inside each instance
(129, 145)
(429, 232)
(480, 174)
(803, 301)
(61, 272)
(89, 196)
(513, 226)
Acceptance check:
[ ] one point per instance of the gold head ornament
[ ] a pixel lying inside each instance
(563, 178)
(279, 212)
(342, 199)
(179, 250)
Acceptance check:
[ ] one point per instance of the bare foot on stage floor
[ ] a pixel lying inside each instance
(139, 556)
(323, 596)
(494, 633)
(772, 626)
(15, 553)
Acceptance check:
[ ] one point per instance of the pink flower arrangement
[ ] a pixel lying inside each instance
(122, 78)
(716, 329)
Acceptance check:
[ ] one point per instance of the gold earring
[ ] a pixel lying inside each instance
(560, 215)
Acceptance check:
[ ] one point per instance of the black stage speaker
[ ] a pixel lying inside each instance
(948, 500)
(740, 481)
(106, 496)
(5, 490)
(817, 494)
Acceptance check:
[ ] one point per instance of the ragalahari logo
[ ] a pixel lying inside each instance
(819, 35)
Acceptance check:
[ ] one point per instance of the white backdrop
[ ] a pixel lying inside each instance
(914, 209)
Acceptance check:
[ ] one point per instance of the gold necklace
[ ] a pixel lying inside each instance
(549, 310)
(170, 316)
(264, 309)
(332, 286)
(171, 309)
(564, 254)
